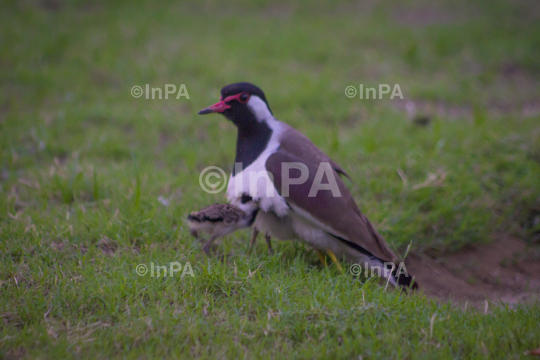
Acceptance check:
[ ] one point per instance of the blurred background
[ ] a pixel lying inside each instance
(455, 160)
(94, 180)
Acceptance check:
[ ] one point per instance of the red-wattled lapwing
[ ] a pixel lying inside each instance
(269, 175)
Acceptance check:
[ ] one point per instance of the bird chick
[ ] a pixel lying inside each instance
(219, 220)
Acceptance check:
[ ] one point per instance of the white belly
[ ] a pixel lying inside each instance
(321, 240)
(293, 226)
(315, 236)
(278, 228)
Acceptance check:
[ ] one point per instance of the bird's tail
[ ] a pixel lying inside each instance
(400, 277)
(407, 281)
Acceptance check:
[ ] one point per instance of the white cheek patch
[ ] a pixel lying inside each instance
(261, 111)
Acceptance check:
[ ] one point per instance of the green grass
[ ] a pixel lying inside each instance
(83, 164)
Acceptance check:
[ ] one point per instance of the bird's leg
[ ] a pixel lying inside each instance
(333, 257)
(321, 257)
(267, 238)
(253, 238)
(206, 246)
(194, 233)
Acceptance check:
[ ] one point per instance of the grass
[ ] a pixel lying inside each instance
(83, 164)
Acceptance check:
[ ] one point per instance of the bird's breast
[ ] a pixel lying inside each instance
(255, 182)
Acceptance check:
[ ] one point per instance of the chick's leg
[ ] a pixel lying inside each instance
(253, 238)
(267, 238)
(207, 246)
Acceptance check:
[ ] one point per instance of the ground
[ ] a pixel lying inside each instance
(95, 184)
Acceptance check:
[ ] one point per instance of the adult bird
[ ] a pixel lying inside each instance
(280, 172)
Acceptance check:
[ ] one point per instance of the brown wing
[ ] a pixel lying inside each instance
(297, 144)
(339, 214)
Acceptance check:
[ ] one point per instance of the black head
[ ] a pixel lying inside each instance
(242, 103)
(246, 106)
(242, 87)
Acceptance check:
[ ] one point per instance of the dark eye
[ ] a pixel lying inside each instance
(244, 98)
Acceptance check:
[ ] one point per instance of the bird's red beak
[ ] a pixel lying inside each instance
(216, 108)
(220, 106)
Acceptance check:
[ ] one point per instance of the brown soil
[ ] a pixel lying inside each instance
(444, 110)
(506, 270)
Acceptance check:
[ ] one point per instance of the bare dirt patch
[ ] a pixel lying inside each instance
(107, 246)
(426, 15)
(505, 270)
(425, 108)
